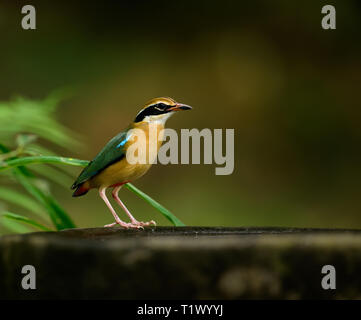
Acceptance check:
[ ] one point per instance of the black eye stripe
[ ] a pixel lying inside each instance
(153, 110)
(160, 105)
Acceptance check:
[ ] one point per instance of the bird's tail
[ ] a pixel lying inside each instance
(81, 189)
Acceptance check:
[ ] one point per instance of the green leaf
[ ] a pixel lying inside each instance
(21, 200)
(41, 159)
(172, 218)
(14, 226)
(36, 117)
(57, 214)
(16, 217)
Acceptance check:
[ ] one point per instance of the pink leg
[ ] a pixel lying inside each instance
(134, 221)
(117, 220)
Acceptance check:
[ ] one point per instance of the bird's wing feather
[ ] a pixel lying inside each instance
(111, 153)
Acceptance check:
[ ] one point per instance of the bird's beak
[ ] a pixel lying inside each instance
(180, 106)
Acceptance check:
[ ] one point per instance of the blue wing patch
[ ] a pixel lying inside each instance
(122, 143)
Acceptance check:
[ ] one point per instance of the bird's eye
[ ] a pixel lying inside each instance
(160, 106)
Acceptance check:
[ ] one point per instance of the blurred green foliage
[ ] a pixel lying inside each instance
(28, 121)
(289, 88)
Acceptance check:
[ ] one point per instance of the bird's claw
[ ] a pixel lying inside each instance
(110, 225)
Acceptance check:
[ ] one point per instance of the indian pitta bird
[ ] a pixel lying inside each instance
(111, 169)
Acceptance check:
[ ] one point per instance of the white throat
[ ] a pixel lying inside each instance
(159, 119)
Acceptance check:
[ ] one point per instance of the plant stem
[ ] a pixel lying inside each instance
(41, 159)
(172, 218)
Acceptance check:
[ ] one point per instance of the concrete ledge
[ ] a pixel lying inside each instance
(182, 263)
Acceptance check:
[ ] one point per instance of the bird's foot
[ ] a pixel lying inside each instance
(143, 224)
(124, 225)
(132, 225)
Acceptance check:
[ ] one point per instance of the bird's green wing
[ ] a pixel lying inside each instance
(111, 153)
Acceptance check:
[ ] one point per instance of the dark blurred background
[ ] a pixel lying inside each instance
(290, 89)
